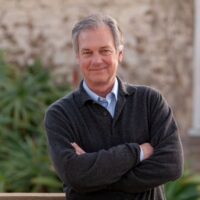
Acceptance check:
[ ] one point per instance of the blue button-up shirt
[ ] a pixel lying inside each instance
(109, 102)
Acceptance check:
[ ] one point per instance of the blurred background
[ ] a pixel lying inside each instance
(37, 66)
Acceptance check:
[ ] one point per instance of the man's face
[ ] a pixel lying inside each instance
(97, 56)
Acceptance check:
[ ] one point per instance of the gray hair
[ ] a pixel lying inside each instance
(95, 21)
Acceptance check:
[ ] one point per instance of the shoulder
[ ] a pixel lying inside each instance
(143, 90)
(139, 92)
(146, 94)
(61, 110)
(63, 105)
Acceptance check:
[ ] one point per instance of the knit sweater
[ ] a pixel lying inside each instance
(111, 168)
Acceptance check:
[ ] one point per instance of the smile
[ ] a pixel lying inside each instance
(98, 68)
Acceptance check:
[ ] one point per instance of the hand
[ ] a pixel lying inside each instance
(147, 150)
(79, 150)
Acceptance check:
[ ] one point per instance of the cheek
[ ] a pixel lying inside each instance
(84, 64)
(114, 63)
(110, 61)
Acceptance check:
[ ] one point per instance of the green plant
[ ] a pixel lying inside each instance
(26, 165)
(186, 188)
(25, 95)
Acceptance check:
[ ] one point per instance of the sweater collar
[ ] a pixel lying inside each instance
(82, 96)
(95, 97)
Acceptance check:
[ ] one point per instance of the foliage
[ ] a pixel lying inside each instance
(24, 97)
(25, 166)
(186, 188)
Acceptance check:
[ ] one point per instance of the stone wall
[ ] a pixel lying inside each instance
(158, 41)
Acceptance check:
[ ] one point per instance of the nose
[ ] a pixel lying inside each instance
(96, 59)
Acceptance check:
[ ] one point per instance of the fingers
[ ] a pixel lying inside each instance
(78, 149)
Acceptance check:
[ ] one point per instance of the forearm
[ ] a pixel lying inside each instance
(146, 150)
(99, 169)
(165, 165)
(92, 171)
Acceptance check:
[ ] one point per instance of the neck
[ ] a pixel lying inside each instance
(102, 90)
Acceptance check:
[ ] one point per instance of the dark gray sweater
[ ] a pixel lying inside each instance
(111, 168)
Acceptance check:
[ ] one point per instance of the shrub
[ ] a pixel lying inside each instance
(186, 188)
(24, 97)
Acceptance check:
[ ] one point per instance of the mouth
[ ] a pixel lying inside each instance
(98, 68)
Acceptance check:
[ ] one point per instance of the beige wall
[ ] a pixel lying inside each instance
(158, 41)
(32, 196)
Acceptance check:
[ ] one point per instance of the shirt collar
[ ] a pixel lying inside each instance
(124, 89)
(95, 97)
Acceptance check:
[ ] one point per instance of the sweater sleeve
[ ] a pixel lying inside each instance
(90, 171)
(166, 164)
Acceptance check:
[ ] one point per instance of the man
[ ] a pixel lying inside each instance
(109, 139)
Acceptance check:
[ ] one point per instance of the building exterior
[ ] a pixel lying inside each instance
(159, 47)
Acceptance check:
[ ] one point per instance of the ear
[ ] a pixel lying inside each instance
(121, 55)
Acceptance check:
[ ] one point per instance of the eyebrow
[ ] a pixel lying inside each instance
(105, 47)
(85, 49)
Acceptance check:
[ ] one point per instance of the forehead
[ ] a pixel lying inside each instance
(96, 37)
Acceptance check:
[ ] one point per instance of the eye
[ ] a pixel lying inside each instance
(106, 52)
(86, 53)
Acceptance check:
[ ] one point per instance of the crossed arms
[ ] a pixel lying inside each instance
(146, 148)
(118, 168)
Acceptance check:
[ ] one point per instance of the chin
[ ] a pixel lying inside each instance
(100, 81)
